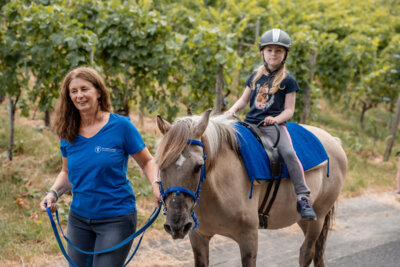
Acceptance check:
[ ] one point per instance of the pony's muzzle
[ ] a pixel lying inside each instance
(178, 221)
(177, 231)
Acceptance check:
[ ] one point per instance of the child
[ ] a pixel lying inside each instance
(271, 92)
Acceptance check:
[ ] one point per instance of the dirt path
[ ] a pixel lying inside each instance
(363, 224)
(366, 233)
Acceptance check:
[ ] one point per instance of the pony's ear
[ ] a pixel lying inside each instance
(163, 125)
(202, 124)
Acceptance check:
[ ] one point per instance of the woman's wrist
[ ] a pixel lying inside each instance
(54, 193)
(157, 180)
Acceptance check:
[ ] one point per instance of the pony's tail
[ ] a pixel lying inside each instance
(321, 241)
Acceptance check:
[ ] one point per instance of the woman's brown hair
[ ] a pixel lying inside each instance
(67, 118)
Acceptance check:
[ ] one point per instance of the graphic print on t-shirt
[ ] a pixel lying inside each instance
(263, 99)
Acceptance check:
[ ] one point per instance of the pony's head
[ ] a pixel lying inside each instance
(182, 161)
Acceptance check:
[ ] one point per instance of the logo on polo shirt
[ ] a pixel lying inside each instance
(99, 149)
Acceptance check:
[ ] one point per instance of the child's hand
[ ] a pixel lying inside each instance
(270, 120)
(229, 113)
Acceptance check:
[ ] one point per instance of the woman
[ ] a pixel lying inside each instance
(95, 148)
(271, 92)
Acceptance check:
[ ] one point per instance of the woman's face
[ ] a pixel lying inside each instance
(274, 55)
(84, 95)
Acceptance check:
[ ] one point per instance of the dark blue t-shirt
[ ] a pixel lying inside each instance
(263, 104)
(97, 169)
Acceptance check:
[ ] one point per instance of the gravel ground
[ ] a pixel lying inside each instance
(366, 232)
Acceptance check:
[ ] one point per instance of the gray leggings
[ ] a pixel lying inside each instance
(100, 234)
(288, 154)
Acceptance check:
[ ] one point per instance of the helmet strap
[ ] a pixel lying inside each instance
(269, 71)
(286, 54)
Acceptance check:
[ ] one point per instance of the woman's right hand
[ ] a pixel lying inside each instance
(51, 201)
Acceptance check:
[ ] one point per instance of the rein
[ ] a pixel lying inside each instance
(142, 230)
(179, 189)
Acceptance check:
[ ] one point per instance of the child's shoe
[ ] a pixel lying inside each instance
(305, 208)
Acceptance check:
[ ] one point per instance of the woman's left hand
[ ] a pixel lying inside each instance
(270, 120)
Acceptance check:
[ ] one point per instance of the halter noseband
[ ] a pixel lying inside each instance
(179, 189)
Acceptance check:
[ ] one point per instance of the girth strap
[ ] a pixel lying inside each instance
(263, 215)
(276, 168)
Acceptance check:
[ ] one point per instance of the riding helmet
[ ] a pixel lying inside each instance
(275, 37)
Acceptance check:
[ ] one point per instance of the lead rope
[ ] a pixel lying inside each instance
(142, 230)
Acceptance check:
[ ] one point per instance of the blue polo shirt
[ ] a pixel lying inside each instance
(97, 169)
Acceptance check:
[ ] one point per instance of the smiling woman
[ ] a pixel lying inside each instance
(95, 148)
(84, 95)
(83, 98)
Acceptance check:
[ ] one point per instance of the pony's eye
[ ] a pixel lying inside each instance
(197, 168)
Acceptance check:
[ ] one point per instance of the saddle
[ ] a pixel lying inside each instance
(275, 159)
(276, 167)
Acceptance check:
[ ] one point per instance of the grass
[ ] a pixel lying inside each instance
(26, 233)
(22, 184)
(364, 148)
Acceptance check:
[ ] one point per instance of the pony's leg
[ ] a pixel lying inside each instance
(311, 230)
(248, 244)
(315, 233)
(200, 246)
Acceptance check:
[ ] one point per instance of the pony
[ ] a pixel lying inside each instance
(224, 206)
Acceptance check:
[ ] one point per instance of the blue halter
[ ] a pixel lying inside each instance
(179, 189)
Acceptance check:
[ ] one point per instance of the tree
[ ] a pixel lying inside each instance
(207, 52)
(392, 81)
(393, 131)
(13, 57)
(302, 64)
(136, 51)
(56, 45)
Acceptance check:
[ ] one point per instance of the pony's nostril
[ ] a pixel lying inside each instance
(168, 228)
(187, 227)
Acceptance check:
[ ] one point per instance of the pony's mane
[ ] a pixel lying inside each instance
(220, 132)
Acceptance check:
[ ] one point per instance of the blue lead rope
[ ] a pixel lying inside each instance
(142, 230)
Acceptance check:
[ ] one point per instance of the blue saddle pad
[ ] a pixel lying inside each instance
(308, 148)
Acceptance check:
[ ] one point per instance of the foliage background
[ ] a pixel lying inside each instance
(155, 52)
(165, 57)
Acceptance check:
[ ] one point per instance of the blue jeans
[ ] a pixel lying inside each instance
(100, 234)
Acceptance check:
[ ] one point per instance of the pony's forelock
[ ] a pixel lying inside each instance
(220, 130)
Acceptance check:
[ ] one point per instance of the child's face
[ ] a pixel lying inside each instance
(274, 55)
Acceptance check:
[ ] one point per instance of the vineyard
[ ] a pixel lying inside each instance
(173, 56)
(177, 57)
